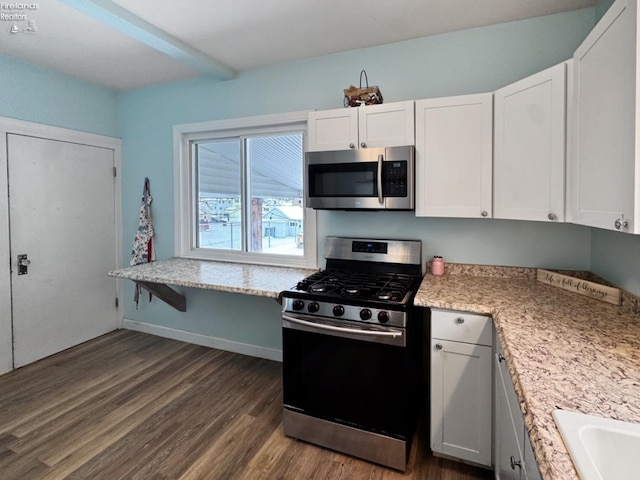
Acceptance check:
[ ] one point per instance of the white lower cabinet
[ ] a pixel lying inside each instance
(531, 470)
(514, 458)
(461, 385)
(469, 421)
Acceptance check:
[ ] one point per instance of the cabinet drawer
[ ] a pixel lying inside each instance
(461, 327)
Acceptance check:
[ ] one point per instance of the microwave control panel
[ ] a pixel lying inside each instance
(394, 177)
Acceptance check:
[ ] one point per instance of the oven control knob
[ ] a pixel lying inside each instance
(365, 314)
(313, 307)
(297, 305)
(383, 317)
(338, 310)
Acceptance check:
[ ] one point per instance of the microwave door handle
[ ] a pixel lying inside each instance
(380, 198)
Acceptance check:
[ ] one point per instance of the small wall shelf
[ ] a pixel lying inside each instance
(242, 278)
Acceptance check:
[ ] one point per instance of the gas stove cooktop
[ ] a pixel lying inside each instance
(334, 284)
(373, 273)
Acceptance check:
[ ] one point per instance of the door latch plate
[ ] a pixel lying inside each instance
(23, 264)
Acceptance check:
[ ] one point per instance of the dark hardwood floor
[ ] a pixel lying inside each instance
(134, 406)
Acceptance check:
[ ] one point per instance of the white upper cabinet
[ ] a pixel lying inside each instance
(386, 125)
(529, 147)
(454, 148)
(603, 161)
(333, 129)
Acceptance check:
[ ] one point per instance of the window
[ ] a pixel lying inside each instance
(239, 191)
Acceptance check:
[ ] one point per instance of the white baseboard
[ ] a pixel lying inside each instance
(204, 340)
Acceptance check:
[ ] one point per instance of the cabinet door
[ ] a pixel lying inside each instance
(461, 400)
(454, 156)
(508, 434)
(531, 470)
(332, 129)
(529, 148)
(386, 125)
(604, 156)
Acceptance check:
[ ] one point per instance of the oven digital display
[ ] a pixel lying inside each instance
(369, 247)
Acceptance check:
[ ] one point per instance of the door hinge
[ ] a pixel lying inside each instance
(114, 171)
(117, 302)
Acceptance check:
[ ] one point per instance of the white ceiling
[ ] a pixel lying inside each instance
(125, 44)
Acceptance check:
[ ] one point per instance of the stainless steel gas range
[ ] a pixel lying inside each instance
(352, 350)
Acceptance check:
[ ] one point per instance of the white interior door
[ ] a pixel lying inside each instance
(62, 215)
(6, 334)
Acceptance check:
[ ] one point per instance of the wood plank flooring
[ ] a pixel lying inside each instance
(133, 406)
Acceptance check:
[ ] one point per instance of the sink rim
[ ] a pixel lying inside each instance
(572, 424)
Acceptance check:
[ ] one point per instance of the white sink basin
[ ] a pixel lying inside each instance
(601, 448)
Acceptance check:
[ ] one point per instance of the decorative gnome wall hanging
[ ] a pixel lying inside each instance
(143, 248)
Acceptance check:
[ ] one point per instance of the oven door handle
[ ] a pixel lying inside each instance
(321, 326)
(380, 197)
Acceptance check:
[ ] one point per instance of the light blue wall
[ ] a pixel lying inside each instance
(469, 61)
(602, 7)
(616, 257)
(481, 241)
(39, 95)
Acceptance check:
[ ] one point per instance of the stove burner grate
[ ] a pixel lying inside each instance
(387, 287)
(318, 288)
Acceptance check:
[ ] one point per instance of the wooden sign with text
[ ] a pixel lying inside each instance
(583, 287)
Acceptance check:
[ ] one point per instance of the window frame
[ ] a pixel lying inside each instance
(185, 227)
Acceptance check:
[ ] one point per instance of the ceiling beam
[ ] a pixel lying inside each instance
(122, 20)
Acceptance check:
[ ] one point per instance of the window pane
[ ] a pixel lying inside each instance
(275, 189)
(219, 202)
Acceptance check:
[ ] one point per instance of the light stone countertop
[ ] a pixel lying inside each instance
(563, 350)
(248, 279)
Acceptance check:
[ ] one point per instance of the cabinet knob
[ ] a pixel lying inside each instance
(514, 463)
(459, 320)
(438, 346)
(352, 145)
(501, 358)
(552, 216)
(484, 213)
(621, 223)
(363, 145)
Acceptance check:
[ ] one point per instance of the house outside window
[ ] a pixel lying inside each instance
(240, 191)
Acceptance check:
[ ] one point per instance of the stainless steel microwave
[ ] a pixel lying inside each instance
(362, 179)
